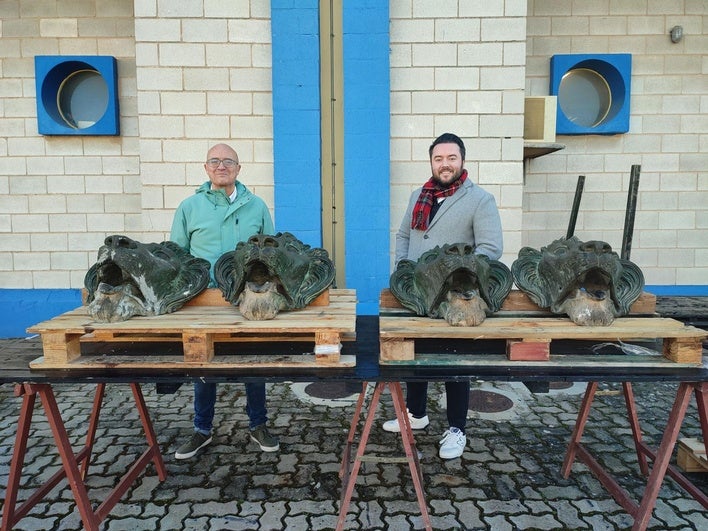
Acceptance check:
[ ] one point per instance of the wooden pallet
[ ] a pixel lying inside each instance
(528, 332)
(197, 326)
(691, 456)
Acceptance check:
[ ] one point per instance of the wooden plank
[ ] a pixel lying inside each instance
(528, 350)
(246, 363)
(518, 301)
(396, 350)
(691, 456)
(547, 328)
(214, 297)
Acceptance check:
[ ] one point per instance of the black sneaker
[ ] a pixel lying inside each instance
(191, 447)
(265, 440)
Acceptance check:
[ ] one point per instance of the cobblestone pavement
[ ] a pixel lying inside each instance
(508, 478)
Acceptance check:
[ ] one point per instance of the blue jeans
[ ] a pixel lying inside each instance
(205, 399)
(458, 401)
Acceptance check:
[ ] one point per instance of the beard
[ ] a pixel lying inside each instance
(447, 181)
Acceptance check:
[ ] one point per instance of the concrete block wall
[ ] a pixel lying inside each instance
(59, 196)
(458, 66)
(667, 136)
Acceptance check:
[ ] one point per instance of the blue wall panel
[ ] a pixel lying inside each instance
(22, 308)
(296, 119)
(366, 150)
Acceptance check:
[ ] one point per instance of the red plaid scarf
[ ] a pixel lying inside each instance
(431, 192)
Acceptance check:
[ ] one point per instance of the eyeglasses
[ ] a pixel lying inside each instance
(228, 163)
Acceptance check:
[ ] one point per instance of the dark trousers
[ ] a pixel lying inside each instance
(458, 401)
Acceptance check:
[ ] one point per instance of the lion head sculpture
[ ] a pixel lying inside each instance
(452, 283)
(132, 278)
(268, 274)
(585, 280)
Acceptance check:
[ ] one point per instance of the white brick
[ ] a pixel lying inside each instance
(480, 53)
(257, 127)
(413, 30)
(157, 30)
(500, 173)
(158, 79)
(228, 8)
(412, 79)
(181, 54)
(44, 203)
(439, 9)
(438, 102)
(84, 203)
(482, 8)
(439, 54)
(161, 127)
(480, 101)
(500, 78)
(228, 55)
(501, 125)
(69, 260)
(249, 31)
(162, 173)
(183, 103)
(181, 9)
(83, 165)
(464, 125)
(250, 79)
(456, 78)
(206, 126)
(204, 30)
(457, 30)
(229, 103)
(50, 279)
(146, 54)
(31, 261)
(503, 29)
(58, 27)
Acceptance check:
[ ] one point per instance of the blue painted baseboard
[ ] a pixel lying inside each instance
(22, 308)
(678, 291)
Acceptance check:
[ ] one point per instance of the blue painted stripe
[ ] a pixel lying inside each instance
(296, 119)
(678, 291)
(367, 150)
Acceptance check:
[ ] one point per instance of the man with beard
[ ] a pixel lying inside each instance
(449, 208)
(221, 213)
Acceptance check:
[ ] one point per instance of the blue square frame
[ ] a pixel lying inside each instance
(51, 71)
(616, 69)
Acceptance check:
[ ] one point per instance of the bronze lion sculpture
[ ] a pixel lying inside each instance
(452, 283)
(587, 281)
(271, 273)
(132, 278)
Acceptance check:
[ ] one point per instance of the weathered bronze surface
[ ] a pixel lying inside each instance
(452, 283)
(268, 274)
(132, 278)
(587, 281)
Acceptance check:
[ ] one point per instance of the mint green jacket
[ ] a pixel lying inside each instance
(207, 225)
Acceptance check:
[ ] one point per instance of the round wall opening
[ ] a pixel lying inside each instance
(593, 93)
(82, 98)
(584, 97)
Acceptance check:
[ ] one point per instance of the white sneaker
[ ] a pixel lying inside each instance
(416, 424)
(452, 444)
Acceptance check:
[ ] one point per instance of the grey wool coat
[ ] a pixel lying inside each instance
(469, 215)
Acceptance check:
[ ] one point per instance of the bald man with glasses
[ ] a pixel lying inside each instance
(221, 213)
